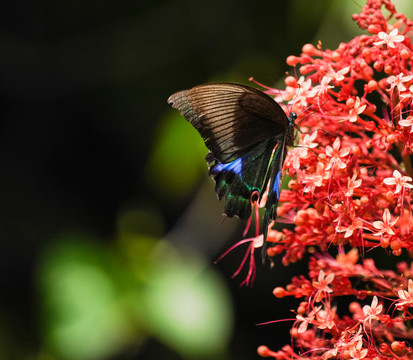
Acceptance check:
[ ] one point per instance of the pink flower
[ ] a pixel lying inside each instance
(322, 285)
(371, 312)
(298, 95)
(407, 94)
(357, 352)
(356, 110)
(321, 89)
(406, 297)
(301, 152)
(389, 39)
(305, 321)
(326, 318)
(339, 75)
(346, 341)
(349, 230)
(385, 226)
(336, 154)
(316, 179)
(352, 184)
(323, 281)
(400, 181)
(407, 122)
(308, 143)
(397, 81)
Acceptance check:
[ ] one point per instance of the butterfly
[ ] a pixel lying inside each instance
(247, 134)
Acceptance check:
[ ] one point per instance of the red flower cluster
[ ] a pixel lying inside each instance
(351, 176)
(368, 332)
(349, 189)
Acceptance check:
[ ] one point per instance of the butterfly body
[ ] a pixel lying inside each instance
(247, 133)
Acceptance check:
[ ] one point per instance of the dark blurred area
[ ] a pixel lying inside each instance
(83, 115)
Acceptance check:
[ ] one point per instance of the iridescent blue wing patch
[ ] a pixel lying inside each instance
(245, 179)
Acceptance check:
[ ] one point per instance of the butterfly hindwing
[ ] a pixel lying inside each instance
(240, 179)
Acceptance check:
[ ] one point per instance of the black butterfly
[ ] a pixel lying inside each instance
(247, 133)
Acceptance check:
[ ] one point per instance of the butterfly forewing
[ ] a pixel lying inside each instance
(230, 117)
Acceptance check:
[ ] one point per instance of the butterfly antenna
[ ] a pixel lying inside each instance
(295, 97)
(308, 108)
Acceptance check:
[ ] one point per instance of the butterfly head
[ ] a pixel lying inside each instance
(291, 119)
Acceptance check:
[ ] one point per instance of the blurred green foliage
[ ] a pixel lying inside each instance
(85, 317)
(97, 299)
(176, 161)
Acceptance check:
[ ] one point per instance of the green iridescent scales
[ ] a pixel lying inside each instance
(237, 189)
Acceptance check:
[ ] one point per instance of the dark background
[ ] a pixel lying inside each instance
(83, 94)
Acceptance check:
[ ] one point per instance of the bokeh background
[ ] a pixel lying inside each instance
(109, 225)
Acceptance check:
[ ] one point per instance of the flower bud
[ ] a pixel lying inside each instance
(302, 308)
(366, 52)
(355, 150)
(391, 139)
(354, 307)
(378, 65)
(398, 346)
(293, 60)
(319, 206)
(263, 351)
(395, 245)
(384, 242)
(373, 29)
(272, 251)
(279, 292)
(291, 81)
(350, 102)
(301, 218)
(285, 261)
(335, 56)
(404, 54)
(294, 332)
(372, 85)
(309, 49)
(388, 69)
(368, 71)
(364, 200)
(306, 69)
(390, 196)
